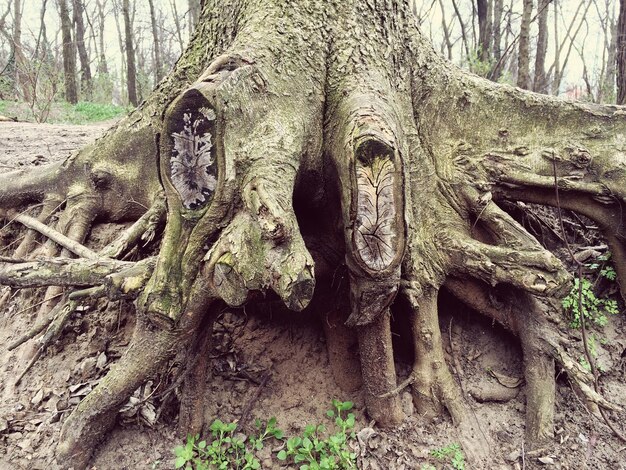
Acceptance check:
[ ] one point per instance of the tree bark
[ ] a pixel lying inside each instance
(484, 9)
(156, 48)
(85, 69)
(69, 53)
(131, 70)
(540, 83)
(523, 60)
(621, 53)
(102, 61)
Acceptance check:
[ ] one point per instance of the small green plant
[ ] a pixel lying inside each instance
(451, 453)
(315, 450)
(226, 450)
(595, 309)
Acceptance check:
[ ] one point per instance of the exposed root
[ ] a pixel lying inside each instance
(142, 231)
(379, 371)
(150, 348)
(191, 412)
(434, 388)
(67, 243)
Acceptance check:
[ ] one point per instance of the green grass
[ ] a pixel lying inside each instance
(65, 113)
(85, 112)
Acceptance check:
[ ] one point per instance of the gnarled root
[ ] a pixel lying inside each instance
(151, 346)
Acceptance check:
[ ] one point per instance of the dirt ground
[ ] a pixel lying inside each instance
(290, 348)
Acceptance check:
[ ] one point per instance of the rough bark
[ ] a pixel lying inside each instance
(484, 10)
(131, 70)
(333, 122)
(156, 48)
(523, 55)
(621, 53)
(540, 83)
(85, 68)
(69, 53)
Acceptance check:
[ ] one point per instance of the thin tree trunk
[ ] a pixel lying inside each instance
(463, 29)
(498, 10)
(523, 59)
(608, 86)
(194, 13)
(131, 71)
(158, 68)
(540, 84)
(102, 61)
(446, 32)
(69, 53)
(23, 81)
(179, 33)
(484, 9)
(85, 70)
(621, 53)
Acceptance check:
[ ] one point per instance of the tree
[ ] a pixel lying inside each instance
(523, 59)
(69, 53)
(287, 127)
(621, 53)
(85, 69)
(131, 69)
(540, 84)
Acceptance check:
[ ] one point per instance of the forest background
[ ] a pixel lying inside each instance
(89, 60)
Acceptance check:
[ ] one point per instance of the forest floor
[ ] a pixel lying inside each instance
(290, 349)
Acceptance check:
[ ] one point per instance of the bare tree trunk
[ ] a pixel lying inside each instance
(621, 53)
(608, 86)
(523, 59)
(85, 70)
(23, 80)
(498, 10)
(158, 68)
(446, 33)
(540, 83)
(69, 53)
(484, 9)
(463, 29)
(194, 13)
(102, 60)
(179, 31)
(131, 71)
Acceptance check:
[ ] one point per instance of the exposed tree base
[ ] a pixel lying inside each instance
(392, 155)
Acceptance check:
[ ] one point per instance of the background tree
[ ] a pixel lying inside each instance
(85, 68)
(69, 53)
(621, 53)
(523, 62)
(131, 70)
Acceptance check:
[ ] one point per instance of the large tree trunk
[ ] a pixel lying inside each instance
(287, 121)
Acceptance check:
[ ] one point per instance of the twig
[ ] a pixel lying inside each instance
(246, 411)
(399, 388)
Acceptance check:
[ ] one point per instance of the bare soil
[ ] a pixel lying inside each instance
(251, 344)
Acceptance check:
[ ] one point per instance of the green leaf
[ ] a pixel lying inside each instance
(282, 455)
(179, 462)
